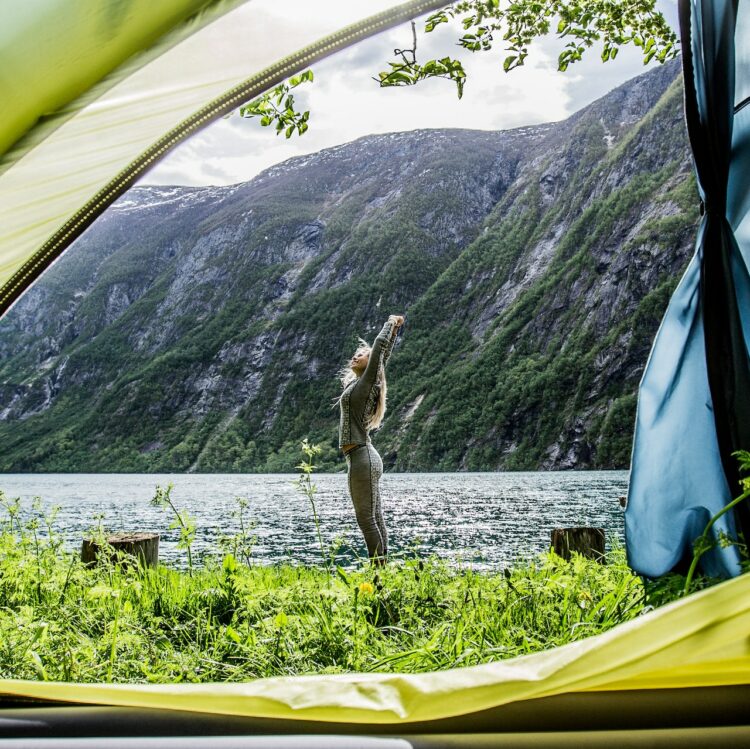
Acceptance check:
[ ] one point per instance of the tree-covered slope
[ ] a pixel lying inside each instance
(201, 328)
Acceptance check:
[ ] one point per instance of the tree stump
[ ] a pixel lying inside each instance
(143, 547)
(586, 541)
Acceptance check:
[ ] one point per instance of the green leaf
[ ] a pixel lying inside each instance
(99, 591)
(233, 635)
(398, 76)
(38, 665)
(230, 563)
(435, 19)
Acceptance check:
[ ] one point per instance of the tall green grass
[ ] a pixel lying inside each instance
(232, 621)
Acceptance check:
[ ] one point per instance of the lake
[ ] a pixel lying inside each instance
(486, 520)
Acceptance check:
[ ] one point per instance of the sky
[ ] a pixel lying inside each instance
(345, 102)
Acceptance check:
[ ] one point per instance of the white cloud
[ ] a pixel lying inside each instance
(345, 103)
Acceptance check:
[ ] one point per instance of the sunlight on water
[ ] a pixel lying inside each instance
(485, 519)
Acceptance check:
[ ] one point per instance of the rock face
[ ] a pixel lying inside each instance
(202, 328)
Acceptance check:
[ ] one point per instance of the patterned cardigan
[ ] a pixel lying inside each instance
(361, 395)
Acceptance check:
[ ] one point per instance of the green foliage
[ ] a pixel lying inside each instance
(305, 485)
(617, 432)
(520, 22)
(182, 520)
(228, 621)
(277, 106)
(705, 542)
(240, 544)
(408, 72)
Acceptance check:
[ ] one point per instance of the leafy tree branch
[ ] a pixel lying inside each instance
(515, 24)
(520, 22)
(277, 106)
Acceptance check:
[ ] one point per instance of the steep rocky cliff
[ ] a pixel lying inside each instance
(201, 328)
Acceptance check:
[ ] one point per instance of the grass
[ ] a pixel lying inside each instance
(233, 621)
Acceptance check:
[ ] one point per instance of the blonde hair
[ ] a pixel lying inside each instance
(346, 375)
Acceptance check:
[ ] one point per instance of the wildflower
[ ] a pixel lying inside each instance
(366, 588)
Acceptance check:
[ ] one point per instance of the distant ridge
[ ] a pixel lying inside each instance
(201, 328)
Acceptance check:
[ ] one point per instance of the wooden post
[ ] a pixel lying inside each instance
(586, 541)
(142, 546)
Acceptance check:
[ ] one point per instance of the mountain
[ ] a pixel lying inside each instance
(201, 329)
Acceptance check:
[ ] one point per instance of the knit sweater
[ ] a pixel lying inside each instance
(360, 396)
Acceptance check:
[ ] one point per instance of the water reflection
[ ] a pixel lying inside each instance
(485, 519)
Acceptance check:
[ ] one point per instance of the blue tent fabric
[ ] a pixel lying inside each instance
(710, 118)
(694, 399)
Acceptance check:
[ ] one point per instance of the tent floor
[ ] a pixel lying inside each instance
(706, 716)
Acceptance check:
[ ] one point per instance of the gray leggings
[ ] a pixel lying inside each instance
(365, 467)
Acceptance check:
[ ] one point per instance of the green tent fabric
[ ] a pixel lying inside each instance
(103, 36)
(700, 641)
(149, 75)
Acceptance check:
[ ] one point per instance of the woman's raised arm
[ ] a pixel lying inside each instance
(381, 350)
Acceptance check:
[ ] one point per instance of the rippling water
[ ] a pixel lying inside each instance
(486, 519)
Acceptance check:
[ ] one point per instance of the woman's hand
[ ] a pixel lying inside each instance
(397, 319)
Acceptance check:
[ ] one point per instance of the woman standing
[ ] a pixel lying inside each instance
(362, 407)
